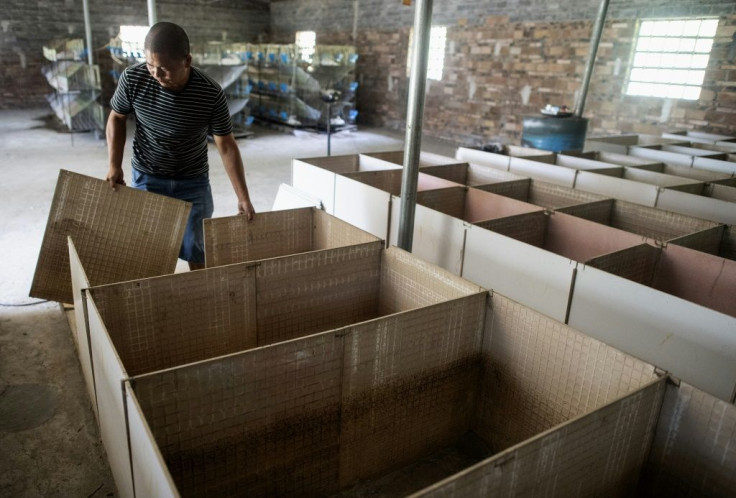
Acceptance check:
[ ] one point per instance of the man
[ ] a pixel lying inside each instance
(175, 105)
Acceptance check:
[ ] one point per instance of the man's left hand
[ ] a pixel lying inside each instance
(245, 207)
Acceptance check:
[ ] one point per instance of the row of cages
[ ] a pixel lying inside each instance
(309, 357)
(278, 83)
(76, 85)
(580, 238)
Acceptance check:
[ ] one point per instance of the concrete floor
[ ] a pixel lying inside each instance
(48, 435)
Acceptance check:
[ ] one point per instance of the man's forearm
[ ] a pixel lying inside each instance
(233, 163)
(115, 131)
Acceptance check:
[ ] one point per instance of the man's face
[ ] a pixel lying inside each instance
(171, 74)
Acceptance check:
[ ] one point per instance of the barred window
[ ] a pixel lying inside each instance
(436, 55)
(670, 58)
(132, 39)
(305, 43)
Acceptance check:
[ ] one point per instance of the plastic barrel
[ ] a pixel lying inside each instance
(554, 134)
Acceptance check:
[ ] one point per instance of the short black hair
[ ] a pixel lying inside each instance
(169, 39)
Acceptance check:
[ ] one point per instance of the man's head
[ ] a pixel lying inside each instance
(167, 55)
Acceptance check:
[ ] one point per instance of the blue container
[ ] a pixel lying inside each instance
(553, 133)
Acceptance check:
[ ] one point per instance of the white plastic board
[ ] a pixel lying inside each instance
(595, 145)
(727, 145)
(289, 197)
(367, 162)
(662, 156)
(584, 164)
(618, 188)
(530, 275)
(699, 206)
(715, 165)
(438, 238)
(152, 477)
(315, 181)
(559, 175)
(624, 160)
(363, 206)
(109, 375)
(79, 283)
(693, 343)
(497, 161)
(692, 151)
(662, 179)
(724, 193)
(397, 158)
(696, 136)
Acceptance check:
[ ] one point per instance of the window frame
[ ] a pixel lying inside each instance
(305, 52)
(431, 71)
(676, 57)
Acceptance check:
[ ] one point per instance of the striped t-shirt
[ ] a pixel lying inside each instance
(171, 128)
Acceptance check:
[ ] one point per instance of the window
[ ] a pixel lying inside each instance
(132, 39)
(670, 58)
(436, 56)
(305, 42)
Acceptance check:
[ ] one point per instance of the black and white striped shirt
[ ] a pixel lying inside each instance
(171, 128)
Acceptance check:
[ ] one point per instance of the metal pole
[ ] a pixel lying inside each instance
(151, 12)
(414, 116)
(329, 128)
(595, 38)
(88, 31)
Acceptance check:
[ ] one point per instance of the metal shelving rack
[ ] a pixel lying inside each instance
(289, 90)
(76, 86)
(227, 64)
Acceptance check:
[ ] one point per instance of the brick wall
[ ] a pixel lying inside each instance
(496, 50)
(25, 26)
(494, 57)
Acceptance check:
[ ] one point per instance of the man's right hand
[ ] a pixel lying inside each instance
(115, 177)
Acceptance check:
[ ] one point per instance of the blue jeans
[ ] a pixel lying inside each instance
(195, 190)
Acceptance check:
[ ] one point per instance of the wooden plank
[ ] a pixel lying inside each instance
(530, 228)
(408, 386)
(167, 321)
(120, 235)
(409, 282)
(597, 454)
(539, 373)
(264, 422)
(581, 240)
(316, 291)
(235, 239)
(331, 232)
(693, 449)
